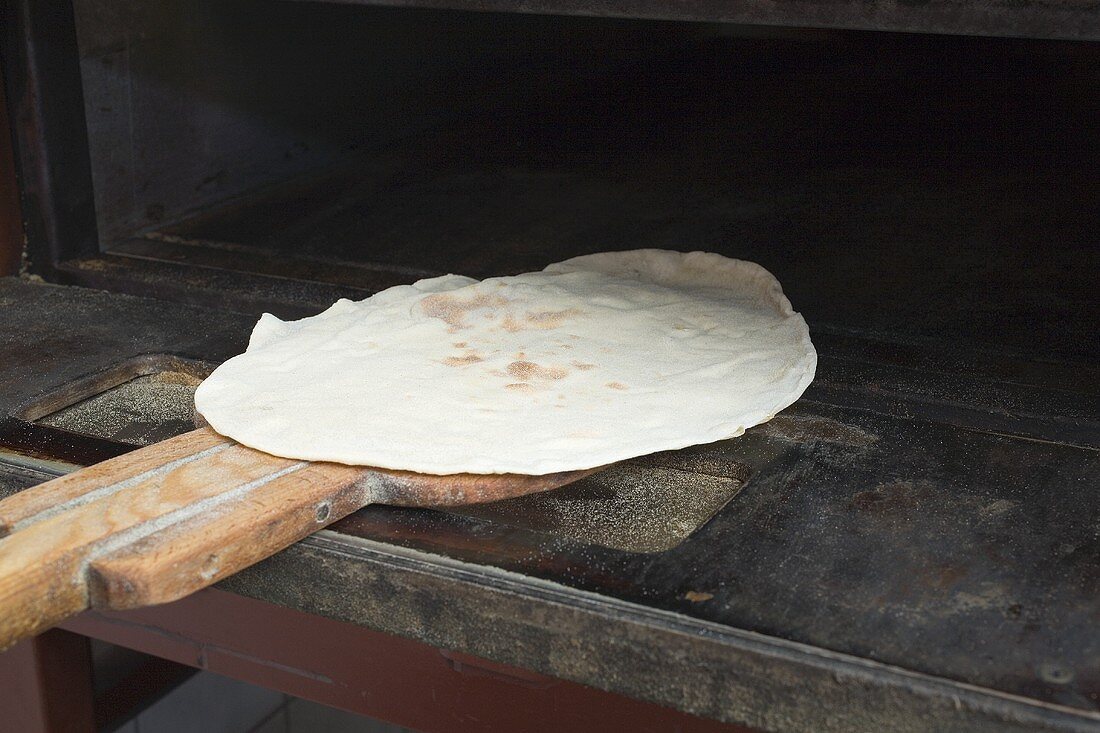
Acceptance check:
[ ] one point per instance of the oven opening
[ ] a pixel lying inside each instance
(929, 188)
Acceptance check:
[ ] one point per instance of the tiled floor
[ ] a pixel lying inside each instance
(209, 703)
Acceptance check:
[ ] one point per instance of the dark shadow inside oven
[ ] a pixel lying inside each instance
(900, 185)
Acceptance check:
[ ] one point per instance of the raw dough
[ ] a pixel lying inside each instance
(593, 360)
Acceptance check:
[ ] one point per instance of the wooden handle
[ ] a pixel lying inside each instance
(157, 524)
(164, 521)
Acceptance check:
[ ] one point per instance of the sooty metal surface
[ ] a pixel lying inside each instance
(1056, 19)
(955, 552)
(16, 477)
(142, 411)
(935, 517)
(138, 402)
(646, 505)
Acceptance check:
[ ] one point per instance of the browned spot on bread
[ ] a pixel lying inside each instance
(540, 320)
(521, 355)
(452, 310)
(457, 361)
(522, 369)
(615, 385)
(527, 370)
(519, 387)
(546, 320)
(583, 367)
(459, 344)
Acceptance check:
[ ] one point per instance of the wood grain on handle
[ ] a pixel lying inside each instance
(169, 519)
(203, 549)
(157, 524)
(68, 491)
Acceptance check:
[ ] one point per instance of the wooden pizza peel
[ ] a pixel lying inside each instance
(169, 519)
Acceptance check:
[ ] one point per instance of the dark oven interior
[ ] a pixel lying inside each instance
(278, 155)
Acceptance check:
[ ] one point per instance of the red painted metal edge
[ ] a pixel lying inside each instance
(371, 673)
(46, 685)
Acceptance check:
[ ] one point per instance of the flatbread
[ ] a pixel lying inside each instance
(593, 360)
